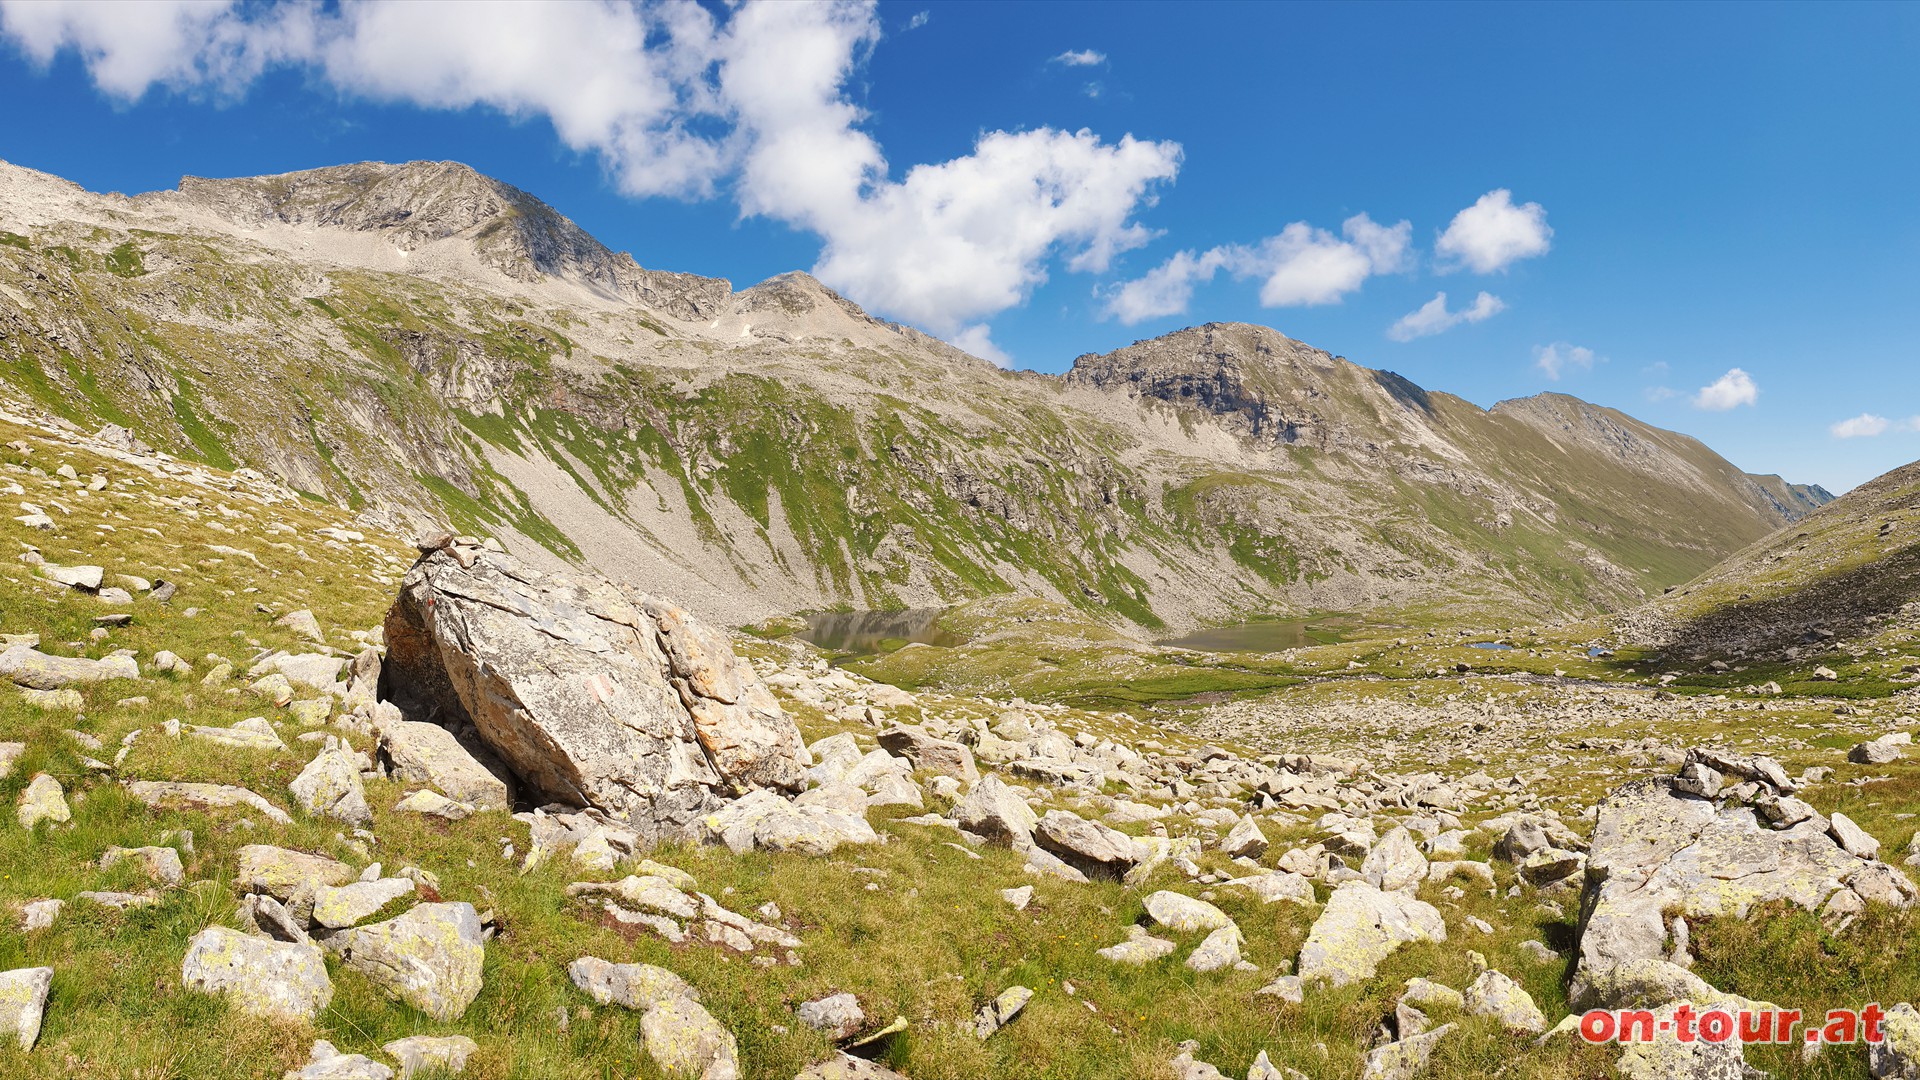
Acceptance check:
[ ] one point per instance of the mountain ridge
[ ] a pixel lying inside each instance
(353, 331)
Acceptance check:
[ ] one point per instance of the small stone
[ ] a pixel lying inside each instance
(1019, 897)
(837, 1017)
(438, 1053)
(326, 1063)
(999, 1012)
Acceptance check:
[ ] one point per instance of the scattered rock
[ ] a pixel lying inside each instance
(1497, 996)
(326, 1063)
(446, 1054)
(1405, 1059)
(1244, 840)
(279, 872)
(163, 795)
(423, 753)
(31, 668)
(686, 1041)
(1221, 949)
(1183, 914)
(837, 1017)
(994, 811)
(634, 986)
(1360, 926)
(1000, 1012)
(43, 800)
(429, 957)
(23, 1001)
(162, 864)
(1139, 948)
(1088, 846)
(260, 976)
(330, 786)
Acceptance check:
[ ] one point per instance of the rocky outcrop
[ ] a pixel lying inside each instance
(591, 695)
(1689, 846)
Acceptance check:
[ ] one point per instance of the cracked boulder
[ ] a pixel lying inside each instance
(592, 696)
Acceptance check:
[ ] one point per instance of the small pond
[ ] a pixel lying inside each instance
(1264, 635)
(868, 632)
(1491, 646)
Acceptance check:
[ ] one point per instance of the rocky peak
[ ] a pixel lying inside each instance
(419, 204)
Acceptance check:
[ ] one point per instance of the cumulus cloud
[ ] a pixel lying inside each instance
(920, 19)
(1433, 317)
(1301, 266)
(1558, 358)
(1866, 425)
(1493, 233)
(677, 101)
(1080, 58)
(1167, 289)
(1729, 391)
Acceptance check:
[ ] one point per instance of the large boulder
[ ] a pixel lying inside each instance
(1658, 850)
(590, 695)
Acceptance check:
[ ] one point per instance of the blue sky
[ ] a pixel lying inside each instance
(1665, 195)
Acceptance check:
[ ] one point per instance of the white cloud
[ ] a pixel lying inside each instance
(920, 19)
(1433, 317)
(1556, 359)
(977, 340)
(676, 101)
(1301, 266)
(1493, 233)
(1866, 425)
(1729, 391)
(1080, 58)
(1167, 289)
(1660, 393)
